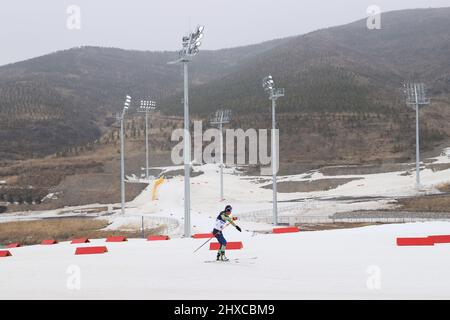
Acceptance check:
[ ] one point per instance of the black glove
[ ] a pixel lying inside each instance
(239, 229)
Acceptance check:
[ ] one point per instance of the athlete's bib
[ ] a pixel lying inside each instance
(220, 224)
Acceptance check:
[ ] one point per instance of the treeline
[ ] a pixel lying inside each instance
(22, 195)
(317, 88)
(37, 120)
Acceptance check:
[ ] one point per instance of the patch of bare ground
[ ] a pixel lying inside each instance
(309, 186)
(91, 177)
(33, 232)
(89, 210)
(334, 226)
(395, 213)
(430, 203)
(329, 226)
(445, 187)
(438, 166)
(364, 169)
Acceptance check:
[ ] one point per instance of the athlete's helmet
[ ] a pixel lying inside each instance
(228, 209)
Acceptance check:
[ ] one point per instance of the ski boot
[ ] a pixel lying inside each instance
(218, 256)
(223, 257)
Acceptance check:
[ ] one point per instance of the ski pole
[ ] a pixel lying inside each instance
(210, 239)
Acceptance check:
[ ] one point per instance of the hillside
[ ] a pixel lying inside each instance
(348, 68)
(343, 103)
(344, 99)
(70, 97)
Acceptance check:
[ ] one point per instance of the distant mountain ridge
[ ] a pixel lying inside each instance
(69, 97)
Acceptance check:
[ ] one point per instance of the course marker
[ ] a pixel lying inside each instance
(286, 230)
(80, 240)
(230, 245)
(91, 250)
(155, 238)
(49, 241)
(5, 253)
(116, 239)
(415, 242)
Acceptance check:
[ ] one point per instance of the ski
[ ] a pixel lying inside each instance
(235, 260)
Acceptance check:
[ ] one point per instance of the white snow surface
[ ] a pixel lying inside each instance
(336, 264)
(307, 265)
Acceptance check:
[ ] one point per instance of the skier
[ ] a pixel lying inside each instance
(222, 219)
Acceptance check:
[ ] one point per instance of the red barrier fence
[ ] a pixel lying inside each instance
(5, 253)
(116, 239)
(414, 242)
(230, 245)
(440, 239)
(91, 250)
(49, 241)
(80, 240)
(155, 238)
(286, 230)
(202, 235)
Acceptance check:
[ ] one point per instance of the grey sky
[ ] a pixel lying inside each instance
(31, 28)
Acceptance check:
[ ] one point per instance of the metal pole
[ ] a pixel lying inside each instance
(143, 234)
(417, 140)
(146, 142)
(221, 160)
(187, 154)
(274, 157)
(122, 164)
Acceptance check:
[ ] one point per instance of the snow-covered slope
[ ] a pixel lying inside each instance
(359, 263)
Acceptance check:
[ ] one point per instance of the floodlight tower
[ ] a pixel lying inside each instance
(220, 118)
(191, 44)
(121, 117)
(146, 107)
(416, 98)
(274, 93)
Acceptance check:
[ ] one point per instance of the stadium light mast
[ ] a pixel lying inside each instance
(274, 93)
(121, 117)
(416, 98)
(191, 44)
(220, 118)
(146, 107)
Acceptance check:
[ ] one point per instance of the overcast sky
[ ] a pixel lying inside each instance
(31, 28)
